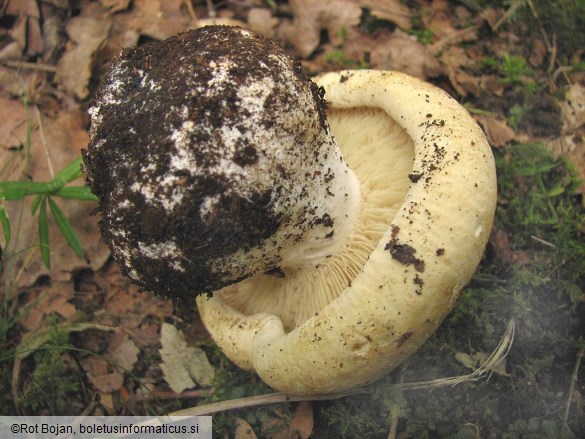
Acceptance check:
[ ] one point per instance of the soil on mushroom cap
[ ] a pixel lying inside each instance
(146, 99)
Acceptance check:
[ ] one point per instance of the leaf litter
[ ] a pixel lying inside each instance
(46, 83)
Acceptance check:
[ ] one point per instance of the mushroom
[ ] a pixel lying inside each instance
(332, 241)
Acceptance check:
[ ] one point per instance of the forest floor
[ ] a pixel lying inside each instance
(76, 337)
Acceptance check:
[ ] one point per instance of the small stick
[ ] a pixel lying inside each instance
(30, 66)
(395, 412)
(542, 241)
(165, 394)
(508, 14)
(574, 377)
(253, 401)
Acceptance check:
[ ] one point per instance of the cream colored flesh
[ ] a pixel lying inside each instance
(421, 233)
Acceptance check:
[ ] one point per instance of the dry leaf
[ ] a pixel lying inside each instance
(572, 146)
(302, 423)
(392, 10)
(573, 108)
(260, 20)
(129, 306)
(124, 352)
(50, 300)
(311, 16)
(497, 130)
(75, 66)
(28, 15)
(150, 18)
(473, 361)
(115, 5)
(108, 377)
(392, 51)
(183, 365)
(108, 382)
(438, 19)
(243, 430)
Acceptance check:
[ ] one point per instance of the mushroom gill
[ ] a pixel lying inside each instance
(381, 155)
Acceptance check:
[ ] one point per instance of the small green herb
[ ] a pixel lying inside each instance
(44, 193)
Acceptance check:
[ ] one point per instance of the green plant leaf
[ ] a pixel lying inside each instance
(17, 190)
(35, 204)
(5, 221)
(82, 193)
(66, 228)
(69, 173)
(44, 234)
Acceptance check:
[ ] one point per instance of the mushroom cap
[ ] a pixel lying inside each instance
(437, 215)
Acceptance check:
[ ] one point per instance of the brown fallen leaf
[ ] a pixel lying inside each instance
(302, 423)
(497, 130)
(311, 16)
(155, 20)
(106, 372)
(262, 21)
(115, 5)
(29, 16)
(572, 146)
(391, 10)
(243, 430)
(54, 299)
(438, 19)
(456, 59)
(573, 108)
(108, 382)
(74, 69)
(501, 243)
(123, 351)
(183, 366)
(392, 50)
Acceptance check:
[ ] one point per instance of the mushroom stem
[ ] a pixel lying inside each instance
(220, 127)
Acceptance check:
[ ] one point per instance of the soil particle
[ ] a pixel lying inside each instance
(404, 253)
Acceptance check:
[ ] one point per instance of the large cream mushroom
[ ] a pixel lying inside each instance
(333, 253)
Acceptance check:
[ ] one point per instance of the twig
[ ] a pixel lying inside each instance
(30, 66)
(542, 241)
(191, 10)
(44, 142)
(574, 377)
(164, 395)
(490, 364)
(253, 401)
(210, 9)
(454, 38)
(511, 10)
(395, 412)
(273, 398)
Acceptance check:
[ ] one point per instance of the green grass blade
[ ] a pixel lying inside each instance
(35, 204)
(17, 190)
(68, 173)
(5, 222)
(44, 234)
(82, 193)
(66, 228)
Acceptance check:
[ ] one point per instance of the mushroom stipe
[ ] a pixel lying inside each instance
(332, 240)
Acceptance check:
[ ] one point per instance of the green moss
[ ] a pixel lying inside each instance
(231, 382)
(51, 382)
